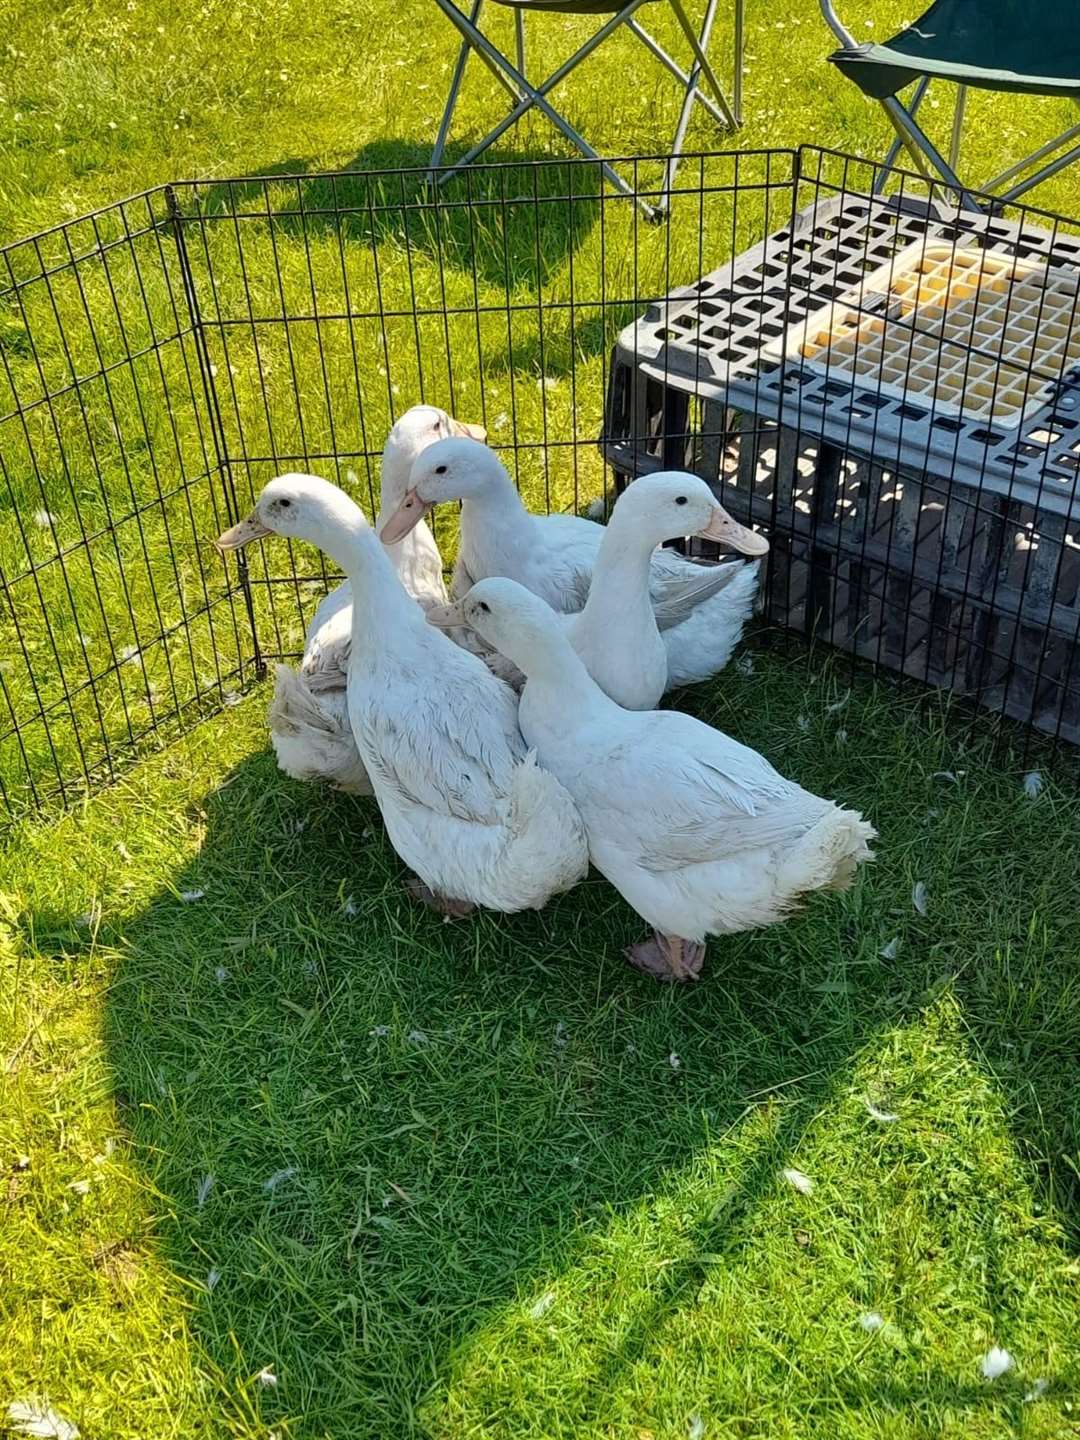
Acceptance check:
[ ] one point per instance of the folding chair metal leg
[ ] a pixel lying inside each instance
(736, 84)
(921, 149)
(893, 153)
(519, 39)
(455, 86)
(672, 167)
(531, 95)
(957, 127)
(702, 59)
(655, 48)
(1026, 163)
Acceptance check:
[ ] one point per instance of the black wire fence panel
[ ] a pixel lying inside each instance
(162, 359)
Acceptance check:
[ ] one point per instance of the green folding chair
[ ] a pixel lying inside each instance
(1028, 47)
(698, 82)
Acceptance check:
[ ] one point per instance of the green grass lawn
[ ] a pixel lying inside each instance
(481, 1178)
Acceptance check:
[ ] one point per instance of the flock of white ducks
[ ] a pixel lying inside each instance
(502, 799)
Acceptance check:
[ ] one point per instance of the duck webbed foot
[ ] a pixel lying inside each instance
(668, 958)
(441, 904)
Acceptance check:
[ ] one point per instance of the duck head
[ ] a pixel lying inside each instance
(302, 506)
(671, 504)
(454, 469)
(412, 433)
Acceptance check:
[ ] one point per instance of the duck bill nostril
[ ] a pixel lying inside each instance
(405, 518)
(242, 534)
(724, 529)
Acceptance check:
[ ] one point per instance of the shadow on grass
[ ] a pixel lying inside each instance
(511, 224)
(409, 1125)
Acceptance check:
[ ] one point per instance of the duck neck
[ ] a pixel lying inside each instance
(556, 676)
(497, 508)
(381, 608)
(619, 589)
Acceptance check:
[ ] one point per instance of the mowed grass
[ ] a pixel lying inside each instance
(480, 1178)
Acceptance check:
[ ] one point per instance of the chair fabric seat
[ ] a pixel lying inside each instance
(1024, 46)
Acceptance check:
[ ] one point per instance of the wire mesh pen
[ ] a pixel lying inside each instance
(162, 358)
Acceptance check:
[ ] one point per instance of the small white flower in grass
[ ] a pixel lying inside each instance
(349, 907)
(871, 1321)
(23, 1162)
(541, 1307)
(190, 896)
(44, 518)
(886, 1117)
(266, 1376)
(1033, 784)
(206, 1184)
(278, 1178)
(995, 1363)
(220, 974)
(918, 897)
(1037, 1391)
(674, 1061)
(112, 123)
(80, 1187)
(32, 1417)
(695, 1427)
(798, 1181)
(213, 1275)
(891, 949)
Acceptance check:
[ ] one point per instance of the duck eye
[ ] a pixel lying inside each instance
(284, 504)
(440, 469)
(680, 500)
(485, 607)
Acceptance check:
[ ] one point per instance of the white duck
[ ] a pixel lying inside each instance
(465, 806)
(697, 832)
(616, 634)
(308, 717)
(552, 555)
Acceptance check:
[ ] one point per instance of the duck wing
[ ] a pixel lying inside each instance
(450, 748)
(676, 599)
(686, 794)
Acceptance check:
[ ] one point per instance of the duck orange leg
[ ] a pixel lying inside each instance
(441, 904)
(668, 958)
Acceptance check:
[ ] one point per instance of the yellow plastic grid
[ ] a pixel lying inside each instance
(973, 332)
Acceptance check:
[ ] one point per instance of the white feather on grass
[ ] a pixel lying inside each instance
(190, 896)
(674, 1061)
(872, 1321)
(890, 950)
(539, 1308)
(33, 1417)
(798, 1181)
(918, 897)
(1037, 1391)
(695, 1428)
(885, 1117)
(279, 1177)
(206, 1184)
(266, 1376)
(213, 1275)
(995, 1363)
(1033, 784)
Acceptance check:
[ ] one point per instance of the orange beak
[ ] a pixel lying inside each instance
(446, 617)
(725, 530)
(242, 534)
(405, 518)
(466, 431)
